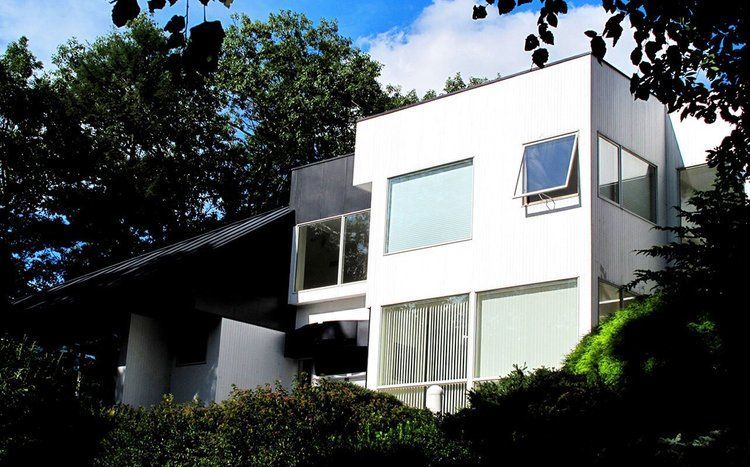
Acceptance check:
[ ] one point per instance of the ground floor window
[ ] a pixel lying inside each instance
(436, 342)
(529, 326)
(425, 343)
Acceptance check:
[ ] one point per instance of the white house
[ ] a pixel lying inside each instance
(483, 229)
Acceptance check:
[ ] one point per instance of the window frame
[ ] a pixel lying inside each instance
(619, 203)
(521, 177)
(342, 233)
(468, 161)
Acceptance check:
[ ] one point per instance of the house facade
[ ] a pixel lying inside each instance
(484, 229)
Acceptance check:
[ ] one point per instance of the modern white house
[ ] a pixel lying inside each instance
(483, 229)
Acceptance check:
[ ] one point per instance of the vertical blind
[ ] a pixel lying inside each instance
(430, 207)
(526, 326)
(424, 341)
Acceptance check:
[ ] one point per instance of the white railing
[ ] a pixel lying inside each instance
(414, 394)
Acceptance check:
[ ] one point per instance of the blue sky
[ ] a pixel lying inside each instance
(420, 42)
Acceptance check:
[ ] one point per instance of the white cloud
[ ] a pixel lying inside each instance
(49, 23)
(444, 40)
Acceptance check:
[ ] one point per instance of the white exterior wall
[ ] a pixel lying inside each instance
(148, 363)
(640, 127)
(198, 380)
(251, 356)
(489, 124)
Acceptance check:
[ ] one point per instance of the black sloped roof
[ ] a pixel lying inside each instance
(138, 265)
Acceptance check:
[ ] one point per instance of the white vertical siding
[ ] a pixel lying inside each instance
(148, 362)
(489, 124)
(641, 128)
(251, 356)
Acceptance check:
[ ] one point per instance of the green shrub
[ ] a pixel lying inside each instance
(328, 424)
(596, 355)
(537, 417)
(41, 414)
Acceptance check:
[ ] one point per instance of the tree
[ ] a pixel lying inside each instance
(156, 148)
(295, 91)
(452, 84)
(30, 230)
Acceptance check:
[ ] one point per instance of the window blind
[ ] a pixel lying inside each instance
(430, 207)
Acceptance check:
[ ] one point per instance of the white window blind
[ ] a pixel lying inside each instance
(529, 326)
(430, 207)
(424, 341)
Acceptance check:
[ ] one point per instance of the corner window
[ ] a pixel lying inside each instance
(332, 251)
(430, 207)
(612, 299)
(548, 169)
(627, 180)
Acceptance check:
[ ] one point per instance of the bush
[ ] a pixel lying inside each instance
(41, 414)
(597, 354)
(328, 424)
(536, 417)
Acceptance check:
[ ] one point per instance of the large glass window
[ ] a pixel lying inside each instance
(430, 207)
(612, 299)
(627, 180)
(333, 251)
(548, 169)
(530, 326)
(638, 186)
(422, 343)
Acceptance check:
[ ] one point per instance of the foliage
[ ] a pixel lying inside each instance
(41, 413)
(596, 355)
(536, 417)
(197, 51)
(330, 424)
(452, 84)
(556, 417)
(113, 154)
(295, 91)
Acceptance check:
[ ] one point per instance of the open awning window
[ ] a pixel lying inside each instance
(547, 166)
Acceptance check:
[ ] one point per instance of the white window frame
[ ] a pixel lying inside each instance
(521, 178)
(340, 275)
(618, 203)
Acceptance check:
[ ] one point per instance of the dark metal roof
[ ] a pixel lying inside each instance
(130, 267)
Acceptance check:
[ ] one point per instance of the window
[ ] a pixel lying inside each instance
(324, 246)
(190, 339)
(609, 170)
(430, 207)
(530, 326)
(548, 169)
(612, 298)
(626, 179)
(422, 343)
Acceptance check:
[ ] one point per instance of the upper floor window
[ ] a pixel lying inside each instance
(627, 180)
(430, 207)
(332, 251)
(548, 169)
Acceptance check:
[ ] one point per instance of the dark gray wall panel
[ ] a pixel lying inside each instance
(325, 189)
